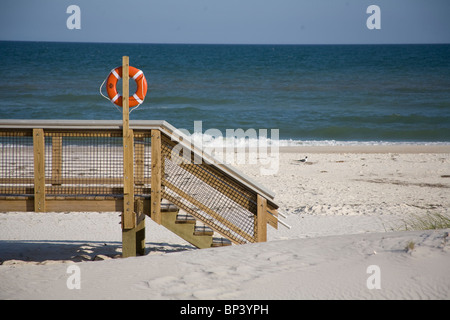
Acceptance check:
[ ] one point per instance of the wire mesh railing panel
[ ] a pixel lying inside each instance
(211, 197)
(142, 163)
(16, 162)
(77, 162)
(83, 163)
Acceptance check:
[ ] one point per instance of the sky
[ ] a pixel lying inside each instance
(227, 21)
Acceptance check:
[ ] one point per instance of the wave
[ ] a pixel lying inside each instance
(318, 143)
(239, 141)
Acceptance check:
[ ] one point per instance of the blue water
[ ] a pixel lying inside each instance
(363, 93)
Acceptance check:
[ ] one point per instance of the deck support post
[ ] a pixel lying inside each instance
(133, 233)
(155, 207)
(261, 219)
(39, 170)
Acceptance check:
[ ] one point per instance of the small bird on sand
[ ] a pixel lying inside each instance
(304, 159)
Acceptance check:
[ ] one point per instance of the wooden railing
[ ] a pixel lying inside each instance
(67, 166)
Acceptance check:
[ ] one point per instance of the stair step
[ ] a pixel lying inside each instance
(220, 242)
(184, 225)
(203, 231)
(169, 207)
(185, 218)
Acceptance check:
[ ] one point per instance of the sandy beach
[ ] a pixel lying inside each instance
(349, 208)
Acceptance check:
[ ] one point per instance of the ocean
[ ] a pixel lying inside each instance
(313, 94)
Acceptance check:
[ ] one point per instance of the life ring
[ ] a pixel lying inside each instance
(137, 75)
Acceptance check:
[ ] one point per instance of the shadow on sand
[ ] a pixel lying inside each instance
(46, 251)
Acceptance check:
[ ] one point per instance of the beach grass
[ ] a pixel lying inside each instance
(410, 246)
(430, 221)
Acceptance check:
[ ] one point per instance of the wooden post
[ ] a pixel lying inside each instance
(129, 220)
(39, 170)
(129, 241)
(155, 206)
(56, 160)
(261, 220)
(139, 160)
(129, 217)
(140, 227)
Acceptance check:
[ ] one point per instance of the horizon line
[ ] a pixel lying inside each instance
(237, 44)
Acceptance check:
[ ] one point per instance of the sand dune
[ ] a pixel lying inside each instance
(347, 210)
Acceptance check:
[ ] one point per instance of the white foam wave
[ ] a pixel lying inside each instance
(210, 141)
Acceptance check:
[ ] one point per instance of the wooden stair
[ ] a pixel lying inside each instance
(189, 229)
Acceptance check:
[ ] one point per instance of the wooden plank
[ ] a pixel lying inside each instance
(84, 190)
(140, 227)
(80, 205)
(56, 159)
(155, 207)
(139, 159)
(84, 132)
(128, 243)
(125, 94)
(16, 205)
(69, 180)
(18, 190)
(70, 190)
(272, 215)
(128, 217)
(68, 204)
(128, 184)
(261, 220)
(14, 132)
(39, 170)
(129, 240)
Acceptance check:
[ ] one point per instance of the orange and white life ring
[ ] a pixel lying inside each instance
(137, 75)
